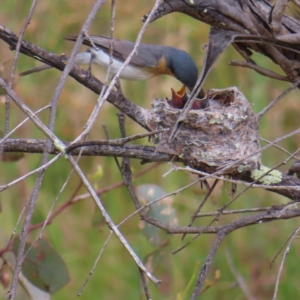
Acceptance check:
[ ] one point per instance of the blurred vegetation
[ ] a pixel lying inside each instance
(71, 233)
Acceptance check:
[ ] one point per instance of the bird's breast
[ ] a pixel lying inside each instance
(162, 67)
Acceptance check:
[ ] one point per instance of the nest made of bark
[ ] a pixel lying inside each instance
(223, 135)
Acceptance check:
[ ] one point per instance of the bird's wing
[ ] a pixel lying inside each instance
(146, 56)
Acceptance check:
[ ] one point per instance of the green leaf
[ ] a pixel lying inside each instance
(43, 266)
(161, 211)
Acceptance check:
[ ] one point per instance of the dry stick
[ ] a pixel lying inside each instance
(111, 46)
(107, 137)
(39, 169)
(286, 252)
(144, 285)
(270, 105)
(202, 275)
(297, 3)
(51, 138)
(109, 221)
(28, 112)
(23, 107)
(112, 29)
(242, 53)
(265, 43)
(127, 177)
(267, 216)
(115, 185)
(258, 69)
(201, 205)
(111, 35)
(231, 212)
(46, 222)
(20, 124)
(95, 264)
(280, 249)
(13, 68)
(280, 148)
(238, 277)
(116, 142)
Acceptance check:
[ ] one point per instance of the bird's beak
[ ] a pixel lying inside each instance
(178, 98)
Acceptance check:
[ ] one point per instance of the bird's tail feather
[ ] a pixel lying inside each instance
(81, 58)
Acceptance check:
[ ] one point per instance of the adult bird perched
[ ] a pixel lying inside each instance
(149, 60)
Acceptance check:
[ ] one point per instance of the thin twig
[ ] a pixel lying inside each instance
(212, 252)
(238, 277)
(39, 169)
(49, 215)
(194, 216)
(107, 138)
(116, 142)
(20, 124)
(14, 64)
(144, 285)
(280, 148)
(258, 69)
(275, 101)
(231, 212)
(95, 264)
(285, 243)
(286, 252)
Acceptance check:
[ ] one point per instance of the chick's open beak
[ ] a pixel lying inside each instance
(178, 98)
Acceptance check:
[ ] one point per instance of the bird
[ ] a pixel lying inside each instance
(294, 169)
(148, 61)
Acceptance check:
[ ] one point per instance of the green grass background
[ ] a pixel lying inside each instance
(71, 233)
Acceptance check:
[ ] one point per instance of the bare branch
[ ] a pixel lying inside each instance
(238, 277)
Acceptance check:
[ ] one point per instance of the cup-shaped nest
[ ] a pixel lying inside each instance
(221, 137)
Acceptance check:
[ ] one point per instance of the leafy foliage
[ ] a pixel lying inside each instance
(43, 266)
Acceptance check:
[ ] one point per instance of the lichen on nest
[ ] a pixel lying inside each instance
(223, 135)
